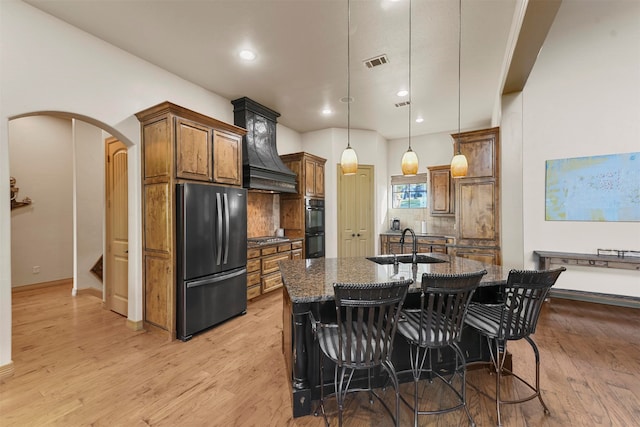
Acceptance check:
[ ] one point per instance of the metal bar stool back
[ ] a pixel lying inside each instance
(362, 338)
(435, 325)
(514, 319)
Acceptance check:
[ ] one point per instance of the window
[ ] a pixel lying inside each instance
(409, 192)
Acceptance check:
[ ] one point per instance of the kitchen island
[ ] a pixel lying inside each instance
(308, 288)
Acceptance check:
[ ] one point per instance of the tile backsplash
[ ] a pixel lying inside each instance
(263, 214)
(413, 218)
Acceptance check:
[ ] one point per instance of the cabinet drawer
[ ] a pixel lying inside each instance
(271, 282)
(253, 291)
(268, 251)
(439, 249)
(284, 248)
(296, 254)
(296, 245)
(270, 263)
(253, 279)
(253, 265)
(253, 253)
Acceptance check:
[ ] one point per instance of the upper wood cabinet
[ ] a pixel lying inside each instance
(478, 196)
(193, 150)
(314, 177)
(177, 144)
(310, 172)
(441, 191)
(227, 158)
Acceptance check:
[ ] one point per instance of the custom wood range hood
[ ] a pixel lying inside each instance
(261, 166)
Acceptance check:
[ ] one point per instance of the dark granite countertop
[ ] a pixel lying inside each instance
(311, 280)
(283, 240)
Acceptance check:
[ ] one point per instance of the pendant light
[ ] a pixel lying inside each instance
(459, 164)
(349, 159)
(410, 158)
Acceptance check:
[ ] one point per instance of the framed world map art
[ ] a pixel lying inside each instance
(596, 188)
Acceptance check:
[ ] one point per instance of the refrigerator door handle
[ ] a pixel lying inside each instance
(222, 278)
(226, 228)
(219, 233)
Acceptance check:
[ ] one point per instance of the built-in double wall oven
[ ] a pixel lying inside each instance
(314, 228)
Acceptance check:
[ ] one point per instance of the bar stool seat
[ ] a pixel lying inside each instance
(437, 324)
(514, 319)
(361, 338)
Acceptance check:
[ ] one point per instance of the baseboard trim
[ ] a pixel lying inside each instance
(91, 291)
(33, 286)
(619, 300)
(7, 370)
(135, 325)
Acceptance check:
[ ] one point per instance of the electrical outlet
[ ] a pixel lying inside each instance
(35, 269)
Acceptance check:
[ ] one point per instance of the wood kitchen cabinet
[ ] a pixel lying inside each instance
(310, 172)
(441, 191)
(178, 145)
(263, 269)
(227, 158)
(477, 196)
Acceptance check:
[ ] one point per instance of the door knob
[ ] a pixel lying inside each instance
(358, 234)
(353, 235)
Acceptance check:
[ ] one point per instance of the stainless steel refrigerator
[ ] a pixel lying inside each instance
(212, 256)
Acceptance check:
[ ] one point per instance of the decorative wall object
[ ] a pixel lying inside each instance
(597, 188)
(14, 196)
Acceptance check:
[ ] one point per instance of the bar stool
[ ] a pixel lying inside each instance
(516, 318)
(362, 338)
(435, 325)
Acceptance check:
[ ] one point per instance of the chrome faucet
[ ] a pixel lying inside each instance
(414, 256)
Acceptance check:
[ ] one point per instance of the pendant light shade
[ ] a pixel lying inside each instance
(459, 164)
(410, 158)
(349, 159)
(409, 163)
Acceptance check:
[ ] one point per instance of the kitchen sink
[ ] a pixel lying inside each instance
(404, 259)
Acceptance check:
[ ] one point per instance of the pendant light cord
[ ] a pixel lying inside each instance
(410, 93)
(459, 65)
(348, 74)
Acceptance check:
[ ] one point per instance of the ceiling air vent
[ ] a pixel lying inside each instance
(403, 103)
(376, 61)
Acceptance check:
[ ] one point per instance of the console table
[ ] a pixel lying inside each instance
(546, 259)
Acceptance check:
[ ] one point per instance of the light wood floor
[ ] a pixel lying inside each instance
(77, 364)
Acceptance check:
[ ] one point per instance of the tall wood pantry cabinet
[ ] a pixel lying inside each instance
(178, 145)
(309, 170)
(477, 206)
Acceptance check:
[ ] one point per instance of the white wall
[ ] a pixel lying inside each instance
(41, 159)
(89, 199)
(287, 140)
(511, 187)
(582, 99)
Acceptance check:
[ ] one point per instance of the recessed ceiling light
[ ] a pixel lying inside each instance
(403, 92)
(326, 111)
(247, 55)
(419, 120)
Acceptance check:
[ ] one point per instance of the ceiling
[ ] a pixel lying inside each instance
(301, 46)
